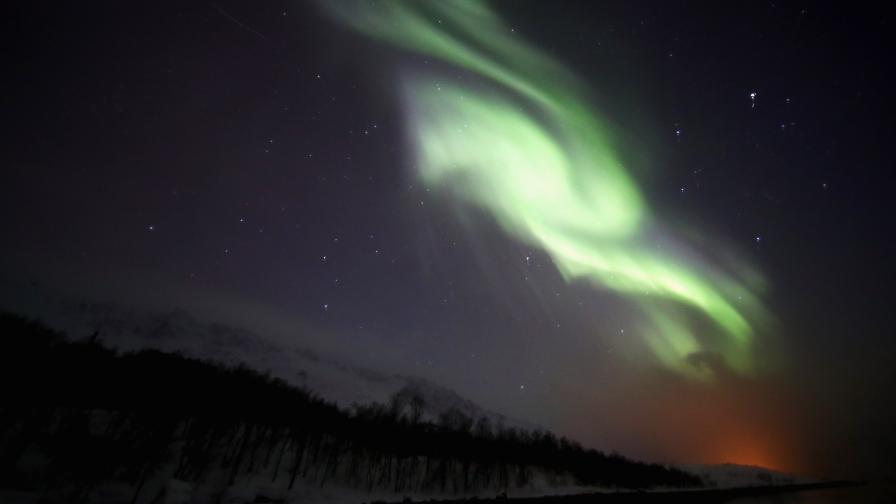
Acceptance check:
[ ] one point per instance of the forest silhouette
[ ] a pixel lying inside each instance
(77, 414)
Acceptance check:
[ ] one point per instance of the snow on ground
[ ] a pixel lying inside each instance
(259, 488)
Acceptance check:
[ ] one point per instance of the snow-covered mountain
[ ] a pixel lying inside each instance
(333, 377)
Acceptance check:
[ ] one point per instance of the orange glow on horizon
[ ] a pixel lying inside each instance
(744, 422)
(748, 453)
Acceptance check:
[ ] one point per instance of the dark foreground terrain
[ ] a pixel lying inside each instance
(80, 419)
(684, 496)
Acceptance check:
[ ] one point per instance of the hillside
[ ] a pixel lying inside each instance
(82, 420)
(294, 358)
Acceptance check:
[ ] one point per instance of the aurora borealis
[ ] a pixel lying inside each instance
(662, 229)
(540, 160)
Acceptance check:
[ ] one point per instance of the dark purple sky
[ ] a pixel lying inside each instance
(253, 153)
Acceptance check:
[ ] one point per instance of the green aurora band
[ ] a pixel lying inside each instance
(526, 148)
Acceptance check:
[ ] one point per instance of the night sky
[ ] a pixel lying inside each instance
(294, 165)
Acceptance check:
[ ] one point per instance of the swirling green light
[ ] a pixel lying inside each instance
(533, 154)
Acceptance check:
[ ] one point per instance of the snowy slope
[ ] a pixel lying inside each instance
(332, 377)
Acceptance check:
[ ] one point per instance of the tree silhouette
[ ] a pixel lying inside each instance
(91, 415)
